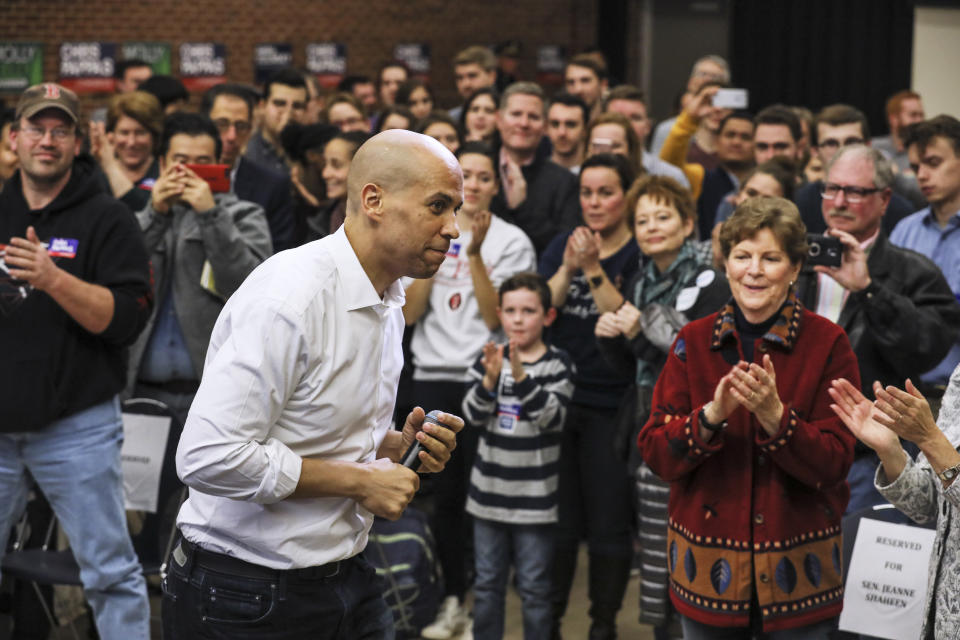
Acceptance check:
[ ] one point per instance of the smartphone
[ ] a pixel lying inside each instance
(216, 175)
(824, 250)
(731, 98)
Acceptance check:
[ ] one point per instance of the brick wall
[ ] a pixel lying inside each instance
(369, 28)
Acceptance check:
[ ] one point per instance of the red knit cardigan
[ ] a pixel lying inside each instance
(748, 510)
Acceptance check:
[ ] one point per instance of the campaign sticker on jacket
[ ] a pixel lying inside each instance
(63, 247)
(507, 416)
(687, 297)
(705, 278)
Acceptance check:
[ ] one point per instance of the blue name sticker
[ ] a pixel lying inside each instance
(63, 247)
(507, 416)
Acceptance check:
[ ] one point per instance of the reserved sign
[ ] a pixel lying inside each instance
(887, 580)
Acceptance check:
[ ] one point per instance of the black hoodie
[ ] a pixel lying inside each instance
(51, 366)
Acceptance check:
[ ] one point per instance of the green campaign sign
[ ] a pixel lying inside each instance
(156, 54)
(21, 65)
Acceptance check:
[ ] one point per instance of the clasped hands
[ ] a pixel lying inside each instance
(751, 386)
(582, 250)
(27, 259)
(624, 321)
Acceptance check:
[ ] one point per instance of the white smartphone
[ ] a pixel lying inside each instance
(731, 98)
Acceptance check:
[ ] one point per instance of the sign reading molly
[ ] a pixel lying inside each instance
(87, 67)
(269, 58)
(156, 54)
(327, 61)
(887, 580)
(202, 65)
(21, 65)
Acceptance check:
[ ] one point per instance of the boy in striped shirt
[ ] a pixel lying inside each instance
(520, 406)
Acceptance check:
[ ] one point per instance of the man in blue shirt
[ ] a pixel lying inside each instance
(934, 150)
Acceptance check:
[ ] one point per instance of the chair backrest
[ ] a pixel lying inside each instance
(153, 539)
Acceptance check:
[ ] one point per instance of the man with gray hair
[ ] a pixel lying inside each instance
(536, 194)
(711, 68)
(895, 305)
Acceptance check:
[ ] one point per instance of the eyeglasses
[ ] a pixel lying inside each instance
(832, 143)
(223, 125)
(853, 195)
(34, 133)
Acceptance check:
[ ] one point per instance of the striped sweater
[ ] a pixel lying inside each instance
(514, 476)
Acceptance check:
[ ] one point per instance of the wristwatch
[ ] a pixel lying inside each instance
(709, 426)
(948, 475)
(595, 281)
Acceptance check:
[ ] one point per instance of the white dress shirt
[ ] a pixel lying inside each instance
(303, 361)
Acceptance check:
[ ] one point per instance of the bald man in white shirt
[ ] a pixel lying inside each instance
(289, 448)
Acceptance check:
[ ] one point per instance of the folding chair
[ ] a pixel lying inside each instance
(48, 566)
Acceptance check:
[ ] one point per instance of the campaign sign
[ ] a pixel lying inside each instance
(21, 65)
(269, 58)
(327, 61)
(551, 61)
(141, 459)
(87, 67)
(416, 55)
(887, 580)
(156, 54)
(202, 65)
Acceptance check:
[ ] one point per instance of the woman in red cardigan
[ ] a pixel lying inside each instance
(742, 429)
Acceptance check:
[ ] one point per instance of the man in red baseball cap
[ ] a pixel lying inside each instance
(74, 292)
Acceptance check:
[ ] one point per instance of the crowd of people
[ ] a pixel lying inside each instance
(647, 348)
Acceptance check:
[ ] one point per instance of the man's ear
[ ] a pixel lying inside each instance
(549, 316)
(371, 201)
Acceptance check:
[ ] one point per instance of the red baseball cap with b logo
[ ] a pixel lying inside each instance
(48, 96)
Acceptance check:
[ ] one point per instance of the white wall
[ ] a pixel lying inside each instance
(936, 57)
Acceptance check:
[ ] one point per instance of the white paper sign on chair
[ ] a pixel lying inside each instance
(887, 580)
(141, 457)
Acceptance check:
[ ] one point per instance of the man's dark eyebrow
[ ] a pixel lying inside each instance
(443, 196)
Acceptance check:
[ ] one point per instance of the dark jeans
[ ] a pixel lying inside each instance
(594, 496)
(594, 501)
(451, 525)
(202, 603)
